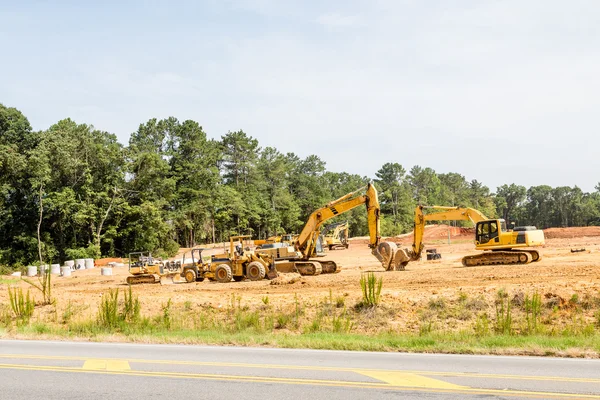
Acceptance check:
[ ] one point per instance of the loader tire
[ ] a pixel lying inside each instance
(255, 271)
(223, 273)
(190, 275)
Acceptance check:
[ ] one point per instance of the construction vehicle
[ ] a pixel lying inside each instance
(238, 262)
(285, 238)
(299, 255)
(335, 235)
(147, 269)
(500, 245)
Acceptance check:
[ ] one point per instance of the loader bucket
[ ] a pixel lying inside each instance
(169, 279)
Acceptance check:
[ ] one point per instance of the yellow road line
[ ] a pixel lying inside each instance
(316, 368)
(291, 381)
(106, 365)
(409, 380)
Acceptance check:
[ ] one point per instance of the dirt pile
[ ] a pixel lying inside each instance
(573, 232)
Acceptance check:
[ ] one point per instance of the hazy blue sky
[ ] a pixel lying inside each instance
(499, 91)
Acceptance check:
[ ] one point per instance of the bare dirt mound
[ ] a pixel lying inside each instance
(573, 232)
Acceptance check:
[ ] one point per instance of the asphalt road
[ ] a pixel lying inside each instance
(82, 370)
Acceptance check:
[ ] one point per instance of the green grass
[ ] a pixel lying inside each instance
(9, 281)
(435, 342)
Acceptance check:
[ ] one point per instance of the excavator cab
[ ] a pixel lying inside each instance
(487, 231)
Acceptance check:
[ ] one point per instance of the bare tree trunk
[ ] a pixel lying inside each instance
(99, 230)
(39, 227)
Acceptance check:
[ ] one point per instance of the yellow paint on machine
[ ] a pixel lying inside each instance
(106, 365)
(403, 379)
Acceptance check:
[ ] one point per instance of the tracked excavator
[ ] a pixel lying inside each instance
(335, 236)
(501, 245)
(299, 256)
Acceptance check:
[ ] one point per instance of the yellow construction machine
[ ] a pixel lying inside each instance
(298, 257)
(238, 262)
(500, 244)
(147, 269)
(335, 236)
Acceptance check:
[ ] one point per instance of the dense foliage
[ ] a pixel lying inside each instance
(173, 186)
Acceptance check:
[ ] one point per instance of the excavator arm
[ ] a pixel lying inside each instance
(396, 259)
(446, 214)
(307, 239)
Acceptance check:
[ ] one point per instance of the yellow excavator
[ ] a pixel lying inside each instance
(335, 236)
(500, 244)
(298, 257)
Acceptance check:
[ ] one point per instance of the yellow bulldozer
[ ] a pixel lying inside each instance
(147, 269)
(500, 244)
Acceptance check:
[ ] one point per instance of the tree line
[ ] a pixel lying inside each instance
(72, 191)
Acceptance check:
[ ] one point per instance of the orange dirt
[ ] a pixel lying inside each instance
(560, 272)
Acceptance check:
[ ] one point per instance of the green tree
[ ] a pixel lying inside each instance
(509, 199)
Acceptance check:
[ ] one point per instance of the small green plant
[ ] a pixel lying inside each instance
(68, 313)
(437, 303)
(482, 325)
(131, 308)
(533, 308)
(425, 328)
(371, 289)
(167, 318)
(340, 302)
(22, 306)
(282, 320)
(44, 285)
(503, 313)
(108, 313)
(315, 325)
(574, 300)
(187, 305)
(462, 297)
(265, 300)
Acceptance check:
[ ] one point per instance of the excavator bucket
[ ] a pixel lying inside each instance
(169, 279)
(391, 257)
(385, 252)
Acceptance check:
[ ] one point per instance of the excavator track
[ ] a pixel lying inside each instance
(139, 279)
(329, 267)
(499, 258)
(308, 267)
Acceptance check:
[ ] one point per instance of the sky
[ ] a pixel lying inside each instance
(498, 91)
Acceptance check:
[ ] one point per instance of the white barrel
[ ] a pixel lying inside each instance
(80, 263)
(65, 271)
(89, 263)
(119, 265)
(17, 273)
(31, 271)
(44, 268)
(70, 263)
(55, 269)
(106, 271)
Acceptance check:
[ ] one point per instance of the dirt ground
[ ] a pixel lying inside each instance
(561, 272)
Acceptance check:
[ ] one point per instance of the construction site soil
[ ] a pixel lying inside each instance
(560, 274)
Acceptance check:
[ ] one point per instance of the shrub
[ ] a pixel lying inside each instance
(371, 289)
(22, 306)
